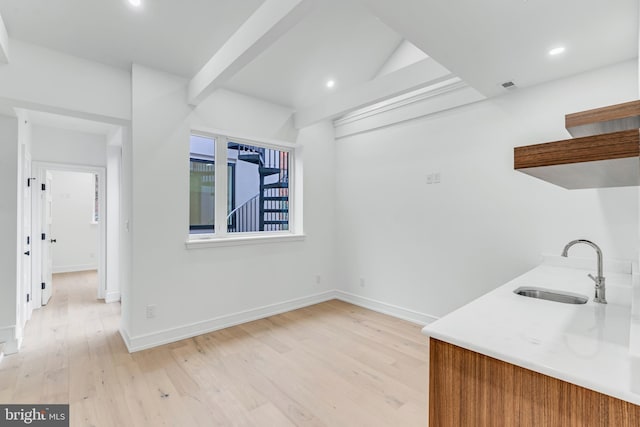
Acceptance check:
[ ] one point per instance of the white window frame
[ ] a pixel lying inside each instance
(220, 237)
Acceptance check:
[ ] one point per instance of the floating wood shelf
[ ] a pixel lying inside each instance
(604, 120)
(605, 155)
(608, 146)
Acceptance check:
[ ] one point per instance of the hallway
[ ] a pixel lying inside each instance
(332, 364)
(74, 330)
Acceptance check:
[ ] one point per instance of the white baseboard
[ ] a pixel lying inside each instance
(145, 341)
(7, 333)
(154, 339)
(383, 307)
(125, 337)
(74, 268)
(10, 339)
(112, 297)
(11, 346)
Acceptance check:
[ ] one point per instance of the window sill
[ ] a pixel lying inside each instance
(216, 242)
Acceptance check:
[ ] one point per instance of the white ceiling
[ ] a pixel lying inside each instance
(342, 41)
(177, 36)
(492, 41)
(483, 42)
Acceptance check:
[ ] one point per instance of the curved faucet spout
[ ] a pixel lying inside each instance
(599, 279)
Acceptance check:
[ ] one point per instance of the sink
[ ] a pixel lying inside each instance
(551, 295)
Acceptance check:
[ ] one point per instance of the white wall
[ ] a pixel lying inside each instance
(126, 236)
(41, 78)
(56, 145)
(432, 248)
(192, 288)
(76, 248)
(113, 201)
(9, 267)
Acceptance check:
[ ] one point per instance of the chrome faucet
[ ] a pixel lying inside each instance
(599, 279)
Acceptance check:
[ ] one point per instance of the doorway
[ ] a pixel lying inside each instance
(69, 219)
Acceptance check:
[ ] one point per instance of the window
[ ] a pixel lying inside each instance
(255, 192)
(202, 185)
(261, 188)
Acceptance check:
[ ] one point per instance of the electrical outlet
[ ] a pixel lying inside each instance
(433, 178)
(318, 279)
(362, 282)
(151, 311)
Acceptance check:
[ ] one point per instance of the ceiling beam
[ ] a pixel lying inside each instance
(421, 74)
(266, 25)
(4, 43)
(13, 103)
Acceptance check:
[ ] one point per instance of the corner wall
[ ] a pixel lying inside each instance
(195, 290)
(9, 160)
(431, 248)
(114, 223)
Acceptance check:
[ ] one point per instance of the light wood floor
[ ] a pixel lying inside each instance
(332, 364)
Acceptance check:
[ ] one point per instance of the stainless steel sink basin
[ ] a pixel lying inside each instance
(551, 295)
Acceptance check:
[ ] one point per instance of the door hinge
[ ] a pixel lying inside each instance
(28, 182)
(43, 286)
(28, 298)
(43, 187)
(43, 236)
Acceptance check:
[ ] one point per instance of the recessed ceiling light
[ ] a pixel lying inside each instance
(135, 3)
(556, 51)
(331, 83)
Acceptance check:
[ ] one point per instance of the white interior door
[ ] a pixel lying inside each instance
(47, 256)
(26, 235)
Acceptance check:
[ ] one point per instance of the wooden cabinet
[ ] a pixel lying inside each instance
(604, 154)
(471, 389)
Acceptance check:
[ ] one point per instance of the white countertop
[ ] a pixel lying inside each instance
(585, 344)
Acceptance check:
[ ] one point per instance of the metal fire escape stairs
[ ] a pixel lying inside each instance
(274, 196)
